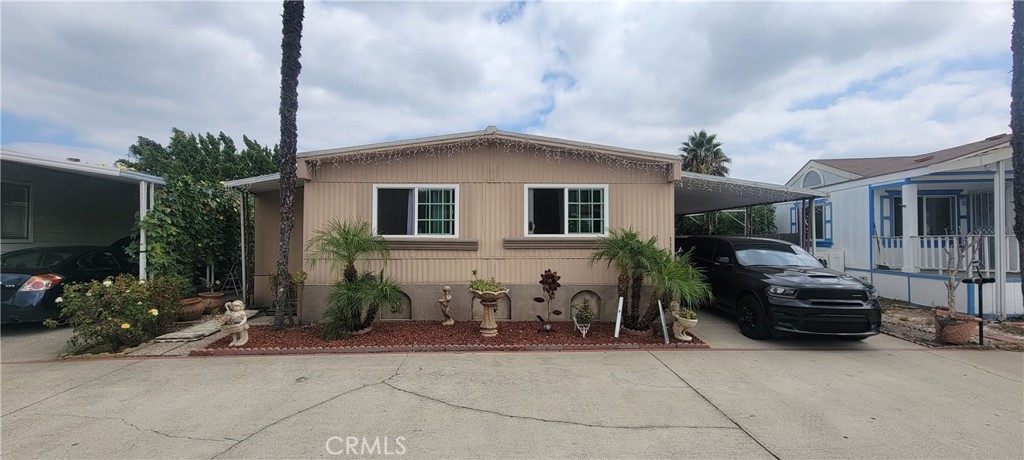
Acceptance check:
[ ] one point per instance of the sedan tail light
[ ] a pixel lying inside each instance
(41, 282)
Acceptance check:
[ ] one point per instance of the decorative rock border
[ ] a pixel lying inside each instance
(443, 348)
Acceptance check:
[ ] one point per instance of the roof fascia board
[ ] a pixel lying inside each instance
(749, 183)
(83, 168)
(632, 154)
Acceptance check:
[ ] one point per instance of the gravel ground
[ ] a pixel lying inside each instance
(430, 333)
(917, 325)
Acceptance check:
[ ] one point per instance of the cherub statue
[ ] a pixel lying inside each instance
(233, 322)
(446, 298)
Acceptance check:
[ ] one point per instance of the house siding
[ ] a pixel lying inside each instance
(491, 209)
(72, 209)
(267, 238)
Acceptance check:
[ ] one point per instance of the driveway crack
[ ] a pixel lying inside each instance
(972, 365)
(300, 411)
(72, 388)
(545, 420)
(136, 427)
(766, 449)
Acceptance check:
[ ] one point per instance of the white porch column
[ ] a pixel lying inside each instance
(814, 228)
(909, 228)
(999, 196)
(143, 209)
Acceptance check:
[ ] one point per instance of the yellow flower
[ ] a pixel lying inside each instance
(126, 326)
(107, 283)
(199, 244)
(154, 312)
(216, 282)
(59, 299)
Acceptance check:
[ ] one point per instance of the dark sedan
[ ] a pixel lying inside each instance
(34, 278)
(776, 288)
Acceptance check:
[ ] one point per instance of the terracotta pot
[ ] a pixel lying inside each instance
(191, 309)
(954, 332)
(212, 301)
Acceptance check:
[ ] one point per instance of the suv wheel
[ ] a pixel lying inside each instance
(751, 318)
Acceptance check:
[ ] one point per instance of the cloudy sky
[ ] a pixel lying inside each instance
(780, 83)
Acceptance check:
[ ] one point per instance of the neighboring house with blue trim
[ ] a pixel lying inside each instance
(889, 220)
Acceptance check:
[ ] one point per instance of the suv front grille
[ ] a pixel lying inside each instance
(831, 294)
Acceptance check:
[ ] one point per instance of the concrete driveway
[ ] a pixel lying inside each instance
(742, 399)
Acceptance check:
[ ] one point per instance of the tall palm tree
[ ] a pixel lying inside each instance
(291, 50)
(703, 154)
(631, 256)
(343, 243)
(1017, 122)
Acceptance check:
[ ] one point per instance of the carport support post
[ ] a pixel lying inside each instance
(241, 225)
(747, 221)
(144, 190)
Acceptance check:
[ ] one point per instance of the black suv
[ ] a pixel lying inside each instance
(774, 288)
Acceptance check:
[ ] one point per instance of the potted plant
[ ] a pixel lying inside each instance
(583, 314)
(951, 326)
(683, 319)
(488, 291)
(211, 298)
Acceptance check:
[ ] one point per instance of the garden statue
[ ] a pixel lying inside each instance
(446, 298)
(684, 319)
(233, 322)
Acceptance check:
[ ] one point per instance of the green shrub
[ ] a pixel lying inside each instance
(584, 314)
(118, 313)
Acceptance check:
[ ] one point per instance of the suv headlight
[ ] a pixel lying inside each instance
(872, 293)
(781, 291)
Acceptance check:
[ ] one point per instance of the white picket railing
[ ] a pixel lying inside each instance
(931, 252)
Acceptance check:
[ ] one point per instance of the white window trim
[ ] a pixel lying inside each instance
(29, 210)
(416, 203)
(565, 198)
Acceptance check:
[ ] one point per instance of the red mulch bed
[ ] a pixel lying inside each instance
(406, 336)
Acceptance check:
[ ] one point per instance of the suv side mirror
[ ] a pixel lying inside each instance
(723, 261)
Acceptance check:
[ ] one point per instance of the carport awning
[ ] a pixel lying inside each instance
(697, 193)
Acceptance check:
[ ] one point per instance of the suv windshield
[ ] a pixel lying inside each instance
(776, 254)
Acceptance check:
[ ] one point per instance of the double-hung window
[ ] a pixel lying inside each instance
(16, 215)
(416, 210)
(568, 210)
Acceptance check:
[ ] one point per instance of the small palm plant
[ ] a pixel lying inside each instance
(353, 302)
(675, 278)
(631, 255)
(353, 305)
(343, 243)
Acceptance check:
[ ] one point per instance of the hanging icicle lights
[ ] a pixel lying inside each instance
(451, 149)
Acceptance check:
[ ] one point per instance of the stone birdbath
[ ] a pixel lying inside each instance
(489, 300)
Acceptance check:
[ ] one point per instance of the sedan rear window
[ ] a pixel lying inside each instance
(33, 259)
(774, 254)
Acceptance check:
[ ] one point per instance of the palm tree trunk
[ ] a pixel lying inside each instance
(634, 308)
(1017, 124)
(291, 50)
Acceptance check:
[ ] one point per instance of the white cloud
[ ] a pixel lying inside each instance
(780, 83)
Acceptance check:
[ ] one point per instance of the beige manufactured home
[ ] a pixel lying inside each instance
(508, 205)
